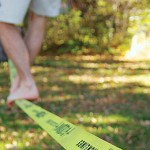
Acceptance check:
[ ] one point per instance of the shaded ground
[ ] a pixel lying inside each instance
(109, 98)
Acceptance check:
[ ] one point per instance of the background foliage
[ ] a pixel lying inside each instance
(96, 26)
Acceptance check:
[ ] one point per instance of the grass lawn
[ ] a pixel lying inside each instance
(109, 98)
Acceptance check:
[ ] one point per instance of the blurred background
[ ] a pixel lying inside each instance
(93, 71)
(100, 26)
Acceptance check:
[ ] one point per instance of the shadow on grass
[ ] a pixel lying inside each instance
(102, 96)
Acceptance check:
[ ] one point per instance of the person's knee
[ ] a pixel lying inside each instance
(35, 17)
(5, 26)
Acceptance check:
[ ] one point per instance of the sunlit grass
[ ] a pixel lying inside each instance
(109, 98)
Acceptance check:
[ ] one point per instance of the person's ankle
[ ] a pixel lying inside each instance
(28, 84)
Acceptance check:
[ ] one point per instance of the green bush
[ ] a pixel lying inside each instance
(95, 26)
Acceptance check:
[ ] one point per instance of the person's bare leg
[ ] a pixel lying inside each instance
(17, 51)
(35, 34)
(16, 80)
(15, 84)
(33, 39)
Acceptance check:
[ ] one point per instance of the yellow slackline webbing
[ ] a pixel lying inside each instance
(66, 134)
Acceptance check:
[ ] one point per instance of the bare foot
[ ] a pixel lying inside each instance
(15, 85)
(23, 92)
